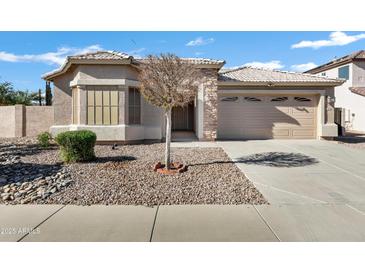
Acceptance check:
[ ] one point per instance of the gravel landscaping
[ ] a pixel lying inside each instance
(120, 176)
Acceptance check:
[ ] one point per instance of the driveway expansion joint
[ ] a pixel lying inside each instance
(42, 222)
(154, 223)
(267, 224)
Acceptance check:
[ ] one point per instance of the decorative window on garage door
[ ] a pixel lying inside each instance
(302, 99)
(279, 99)
(102, 106)
(252, 99)
(229, 99)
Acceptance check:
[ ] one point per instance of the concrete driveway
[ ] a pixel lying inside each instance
(316, 189)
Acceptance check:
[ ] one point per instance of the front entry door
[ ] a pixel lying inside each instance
(183, 118)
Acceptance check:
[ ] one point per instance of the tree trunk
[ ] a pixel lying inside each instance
(40, 96)
(168, 138)
(48, 94)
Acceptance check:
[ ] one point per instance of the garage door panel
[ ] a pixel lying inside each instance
(287, 119)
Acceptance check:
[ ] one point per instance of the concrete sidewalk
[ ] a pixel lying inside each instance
(183, 223)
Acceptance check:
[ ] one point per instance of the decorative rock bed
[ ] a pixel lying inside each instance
(123, 175)
(26, 182)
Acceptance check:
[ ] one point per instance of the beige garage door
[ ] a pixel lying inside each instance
(267, 117)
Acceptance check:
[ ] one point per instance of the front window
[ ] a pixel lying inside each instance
(102, 106)
(344, 72)
(134, 106)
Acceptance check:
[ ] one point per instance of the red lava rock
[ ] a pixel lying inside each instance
(158, 166)
(175, 168)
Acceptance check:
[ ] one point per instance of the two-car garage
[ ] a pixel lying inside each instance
(278, 116)
(255, 103)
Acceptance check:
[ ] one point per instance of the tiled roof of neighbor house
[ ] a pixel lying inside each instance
(357, 55)
(250, 74)
(358, 90)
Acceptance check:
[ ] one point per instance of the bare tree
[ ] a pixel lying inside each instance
(166, 82)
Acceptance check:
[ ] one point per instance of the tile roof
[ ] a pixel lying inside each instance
(357, 55)
(250, 74)
(97, 55)
(196, 61)
(358, 90)
(115, 55)
(101, 55)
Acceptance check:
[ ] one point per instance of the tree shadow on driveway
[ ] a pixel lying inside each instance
(278, 159)
(271, 159)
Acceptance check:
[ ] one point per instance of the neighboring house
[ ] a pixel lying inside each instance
(351, 94)
(99, 91)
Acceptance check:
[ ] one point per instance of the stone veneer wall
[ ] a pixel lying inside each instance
(19, 120)
(210, 118)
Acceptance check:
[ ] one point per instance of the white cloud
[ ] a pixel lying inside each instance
(337, 38)
(200, 41)
(303, 67)
(51, 58)
(274, 64)
(199, 53)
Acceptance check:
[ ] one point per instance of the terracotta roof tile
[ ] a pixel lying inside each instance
(197, 61)
(101, 55)
(250, 74)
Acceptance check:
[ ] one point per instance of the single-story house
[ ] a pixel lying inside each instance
(350, 96)
(100, 91)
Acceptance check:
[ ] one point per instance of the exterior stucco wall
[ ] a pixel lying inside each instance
(38, 119)
(62, 100)
(151, 126)
(105, 72)
(351, 102)
(7, 121)
(19, 120)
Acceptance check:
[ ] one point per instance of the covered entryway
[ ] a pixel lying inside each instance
(267, 116)
(183, 118)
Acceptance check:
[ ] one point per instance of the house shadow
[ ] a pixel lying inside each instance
(270, 159)
(24, 149)
(351, 139)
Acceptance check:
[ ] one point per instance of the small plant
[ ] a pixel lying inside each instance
(44, 139)
(77, 146)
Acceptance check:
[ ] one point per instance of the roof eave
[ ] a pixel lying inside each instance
(330, 66)
(70, 61)
(279, 84)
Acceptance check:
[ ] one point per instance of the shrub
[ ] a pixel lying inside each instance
(44, 139)
(77, 146)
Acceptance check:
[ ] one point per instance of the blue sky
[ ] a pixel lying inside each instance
(25, 56)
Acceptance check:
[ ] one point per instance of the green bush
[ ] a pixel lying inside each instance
(77, 146)
(44, 139)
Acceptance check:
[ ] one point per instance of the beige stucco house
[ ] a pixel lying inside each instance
(350, 96)
(99, 91)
